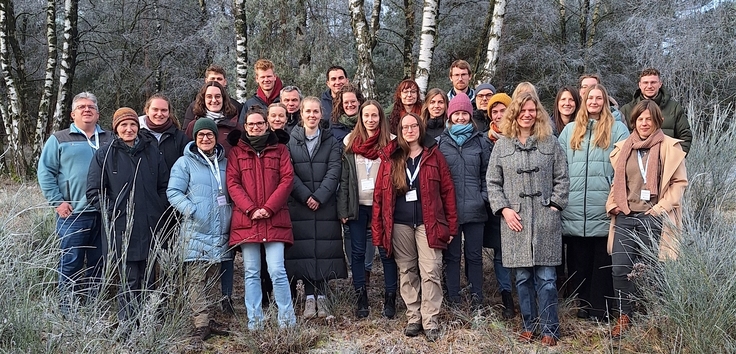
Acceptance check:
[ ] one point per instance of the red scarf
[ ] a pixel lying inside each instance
(494, 133)
(277, 86)
(158, 128)
(634, 142)
(366, 148)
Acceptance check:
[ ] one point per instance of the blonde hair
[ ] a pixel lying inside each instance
(510, 127)
(525, 86)
(602, 133)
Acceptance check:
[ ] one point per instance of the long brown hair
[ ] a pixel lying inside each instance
(337, 109)
(384, 135)
(161, 96)
(556, 115)
(397, 113)
(602, 134)
(510, 127)
(428, 98)
(398, 159)
(200, 108)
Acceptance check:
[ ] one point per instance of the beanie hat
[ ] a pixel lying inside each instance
(499, 97)
(460, 102)
(485, 87)
(123, 114)
(204, 124)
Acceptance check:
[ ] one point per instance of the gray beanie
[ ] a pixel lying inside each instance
(485, 87)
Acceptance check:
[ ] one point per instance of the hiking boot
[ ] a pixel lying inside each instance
(322, 310)
(549, 341)
(432, 334)
(508, 305)
(361, 310)
(389, 305)
(622, 325)
(203, 333)
(227, 306)
(413, 329)
(310, 308)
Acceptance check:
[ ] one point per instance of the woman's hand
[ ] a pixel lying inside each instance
(616, 211)
(260, 214)
(513, 220)
(344, 220)
(312, 204)
(554, 208)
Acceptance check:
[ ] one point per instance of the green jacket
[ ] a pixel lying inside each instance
(675, 123)
(591, 175)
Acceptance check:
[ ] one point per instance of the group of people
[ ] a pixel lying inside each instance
(297, 183)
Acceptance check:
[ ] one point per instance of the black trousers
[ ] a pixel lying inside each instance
(589, 268)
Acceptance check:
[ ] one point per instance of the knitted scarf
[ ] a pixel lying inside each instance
(634, 142)
(158, 128)
(494, 133)
(216, 116)
(348, 121)
(460, 132)
(366, 148)
(258, 142)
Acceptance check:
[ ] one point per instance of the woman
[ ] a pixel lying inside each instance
(434, 113)
(197, 190)
(161, 122)
(414, 218)
(645, 200)
(277, 116)
(496, 108)
(259, 180)
(317, 255)
(214, 103)
(567, 103)
(525, 87)
(130, 175)
(588, 142)
(406, 100)
(355, 199)
(467, 152)
(528, 186)
(344, 115)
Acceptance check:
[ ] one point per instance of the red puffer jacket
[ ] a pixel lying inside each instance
(255, 182)
(437, 194)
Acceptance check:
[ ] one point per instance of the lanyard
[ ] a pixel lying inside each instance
(413, 177)
(215, 169)
(368, 165)
(96, 145)
(642, 167)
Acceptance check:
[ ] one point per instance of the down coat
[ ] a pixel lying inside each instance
(120, 175)
(257, 181)
(468, 165)
(529, 178)
(193, 191)
(317, 253)
(591, 175)
(437, 194)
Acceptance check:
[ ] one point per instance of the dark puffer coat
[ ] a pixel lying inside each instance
(317, 252)
(119, 175)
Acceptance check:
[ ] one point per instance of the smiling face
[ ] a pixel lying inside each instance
(255, 124)
(206, 140)
(213, 99)
(437, 105)
(460, 117)
(265, 79)
(276, 117)
(127, 130)
(158, 111)
(350, 104)
(409, 96)
(311, 114)
(650, 85)
(566, 104)
(409, 129)
(497, 112)
(645, 124)
(527, 116)
(481, 99)
(594, 102)
(336, 79)
(85, 113)
(370, 118)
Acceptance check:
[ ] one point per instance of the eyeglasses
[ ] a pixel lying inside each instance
(484, 97)
(208, 136)
(409, 92)
(457, 76)
(407, 128)
(260, 124)
(82, 107)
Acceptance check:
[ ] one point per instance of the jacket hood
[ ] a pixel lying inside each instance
(191, 151)
(661, 99)
(278, 136)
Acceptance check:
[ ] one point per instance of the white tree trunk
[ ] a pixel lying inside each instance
(241, 51)
(364, 73)
(494, 41)
(68, 58)
(426, 43)
(48, 82)
(11, 114)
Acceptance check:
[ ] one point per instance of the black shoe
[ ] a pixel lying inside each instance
(203, 333)
(432, 334)
(361, 310)
(227, 306)
(389, 305)
(582, 313)
(508, 305)
(413, 329)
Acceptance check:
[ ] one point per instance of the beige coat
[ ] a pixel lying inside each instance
(671, 189)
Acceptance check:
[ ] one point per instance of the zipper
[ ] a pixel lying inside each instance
(585, 189)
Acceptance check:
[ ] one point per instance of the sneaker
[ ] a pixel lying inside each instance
(322, 310)
(622, 325)
(413, 329)
(526, 337)
(310, 308)
(549, 341)
(432, 334)
(203, 333)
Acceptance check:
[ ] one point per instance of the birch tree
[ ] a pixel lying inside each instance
(241, 51)
(494, 42)
(482, 47)
(365, 42)
(14, 159)
(68, 63)
(430, 14)
(48, 82)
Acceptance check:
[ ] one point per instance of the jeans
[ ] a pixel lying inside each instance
(226, 276)
(281, 291)
(503, 274)
(362, 245)
(81, 237)
(390, 271)
(473, 247)
(538, 306)
(370, 250)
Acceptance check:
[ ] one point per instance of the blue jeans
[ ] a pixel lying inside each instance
(503, 274)
(538, 306)
(473, 245)
(390, 271)
(226, 277)
(81, 237)
(361, 245)
(370, 250)
(281, 291)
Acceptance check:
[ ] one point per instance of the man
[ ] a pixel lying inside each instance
(337, 77)
(675, 123)
(213, 73)
(483, 94)
(269, 87)
(62, 176)
(460, 75)
(291, 97)
(587, 80)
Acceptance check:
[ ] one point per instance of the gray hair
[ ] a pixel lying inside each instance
(84, 95)
(291, 89)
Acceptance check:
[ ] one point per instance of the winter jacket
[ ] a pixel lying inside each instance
(482, 121)
(257, 181)
(468, 165)
(292, 120)
(591, 175)
(255, 100)
(672, 184)
(326, 101)
(675, 123)
(471, 94)
(339, 131)
(189, 113)
(435, 127)
(437, 194)
(64, 164)
(171, 144)
(193, 191)
(121, 177)
(529, 178)
(318, 249)
(224, 127)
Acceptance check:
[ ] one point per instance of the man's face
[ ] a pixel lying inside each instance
(336, 80)
(481, 99)
(649, 85)
(85, 113)
(265, 79)
(291, 100)
(459, 78)
(217, 77)
(587, 82)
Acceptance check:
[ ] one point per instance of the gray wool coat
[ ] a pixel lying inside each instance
(529, 178)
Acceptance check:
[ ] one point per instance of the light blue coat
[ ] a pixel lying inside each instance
(193, 191)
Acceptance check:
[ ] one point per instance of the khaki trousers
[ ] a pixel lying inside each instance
(420, 269)
(202, 279)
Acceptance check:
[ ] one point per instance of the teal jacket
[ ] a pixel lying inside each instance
(63, 165)
(591, 175)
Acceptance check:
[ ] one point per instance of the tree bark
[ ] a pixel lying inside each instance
(482, 47)
(14, 159)
(48, 83)
(364, 43)
(430, 13)
(241, 51)
(494, 42)
(408, 38)
(305, 58)
(563, 22)
(68, 64)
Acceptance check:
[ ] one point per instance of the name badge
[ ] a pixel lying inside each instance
(221, 200)
(367, 184)
(645, 195)
(411, 196)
